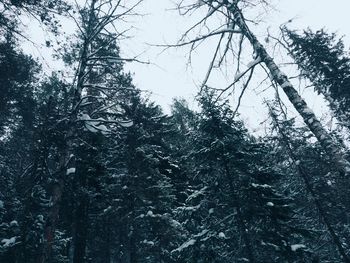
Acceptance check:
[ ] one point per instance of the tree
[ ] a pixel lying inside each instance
(98, 77)
(300, 154)
(233, 23)
(46, 12)
(147, 188)
(323, 60)
(231, 189)
(18, 76)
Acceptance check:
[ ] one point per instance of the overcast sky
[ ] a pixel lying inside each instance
(168, 76)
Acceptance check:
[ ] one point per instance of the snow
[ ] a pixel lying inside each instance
(211, 211)
(254, 62)
(107, 209)
(8, 242)
(297, 162)
(286, 84)
(238, 75)
(14, 223)
(175, 166)
(150, 213)
(90, 128)
(126, 124)
(261, 185)
(1, 204)
(94, 125)
(297, 246)
(175, 224)
(70, 171)
(270, 204)
(103, 129)
(222, 235)
(84, 117)
(329, 182)
(308, 111)
(191, 208)
(151, 243)
(197, 193)
(190, 242)
(202, 233)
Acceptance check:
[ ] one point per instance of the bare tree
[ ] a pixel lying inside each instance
(234, 27)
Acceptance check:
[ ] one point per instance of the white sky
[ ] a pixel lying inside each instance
(170, 77)
(167, 76)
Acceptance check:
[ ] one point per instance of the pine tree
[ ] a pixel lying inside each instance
(324, 61)
(231, 189)
(143, 170)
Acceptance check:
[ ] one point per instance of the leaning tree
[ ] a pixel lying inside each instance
(225, 20)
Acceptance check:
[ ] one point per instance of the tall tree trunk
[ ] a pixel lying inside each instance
(315, 197)
(50, 226)
(333, 150)
(81, 229)
(67, 164)
(107, 253)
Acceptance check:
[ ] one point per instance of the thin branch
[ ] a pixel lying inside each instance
(212, 62)
(243, 90)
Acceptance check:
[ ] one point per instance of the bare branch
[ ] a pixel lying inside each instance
(243, 90)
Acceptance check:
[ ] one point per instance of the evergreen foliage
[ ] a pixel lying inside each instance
(91, 170)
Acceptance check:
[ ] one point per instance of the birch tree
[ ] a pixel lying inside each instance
(234, 27)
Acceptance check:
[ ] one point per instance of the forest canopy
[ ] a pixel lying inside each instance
(93, 170)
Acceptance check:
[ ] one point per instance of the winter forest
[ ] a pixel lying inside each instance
(93, 170)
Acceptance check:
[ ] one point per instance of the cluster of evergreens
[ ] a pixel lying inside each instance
(93, 171)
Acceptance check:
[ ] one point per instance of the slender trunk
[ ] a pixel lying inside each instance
(299, 104)
(81, 230)
(133, 248)
(304, 176)
(49, 231)
(67, 164)
(107, 250)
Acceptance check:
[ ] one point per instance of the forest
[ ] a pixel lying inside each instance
(92, 170)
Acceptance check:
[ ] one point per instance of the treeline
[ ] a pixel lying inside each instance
(91, 170)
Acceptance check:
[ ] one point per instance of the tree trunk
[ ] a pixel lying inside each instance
(299, 104)
(301, 171)
(50, 227)
(81, 230)
(67, 165)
